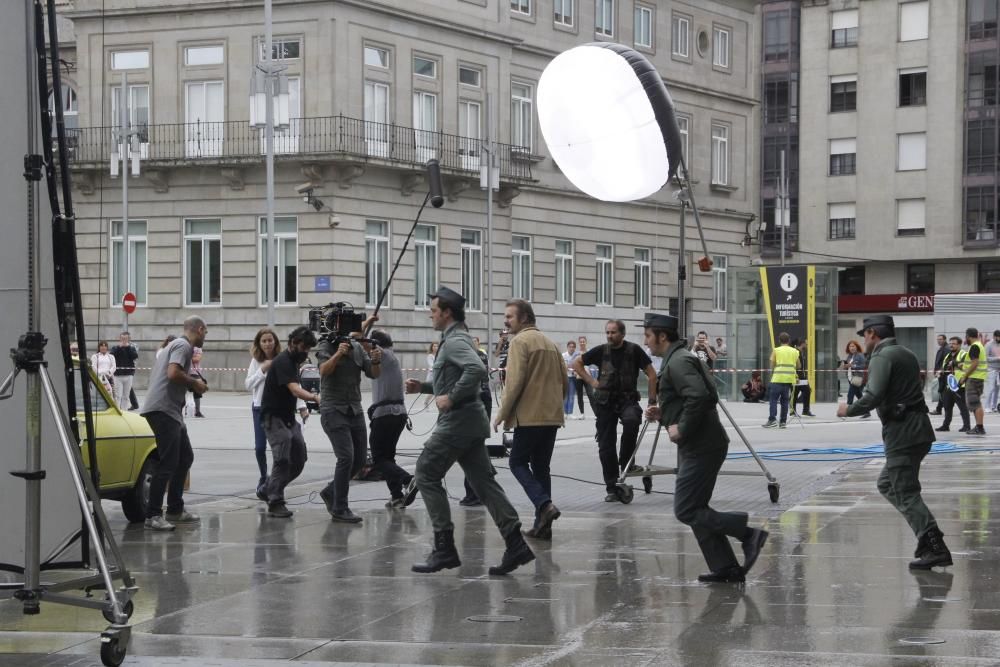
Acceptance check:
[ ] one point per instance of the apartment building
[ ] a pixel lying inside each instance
(375, 89)
(886, 112)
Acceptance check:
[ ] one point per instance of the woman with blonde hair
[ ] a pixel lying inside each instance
(263, 350)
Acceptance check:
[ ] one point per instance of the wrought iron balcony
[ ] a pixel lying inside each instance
(325, 138)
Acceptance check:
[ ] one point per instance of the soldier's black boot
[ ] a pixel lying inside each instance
(518, 553)
(921, 545)
(443, 557)
(935, 553)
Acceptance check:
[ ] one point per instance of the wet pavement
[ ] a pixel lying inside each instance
(616, 586)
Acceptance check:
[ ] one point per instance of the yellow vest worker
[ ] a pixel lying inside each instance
(786, 360)
(784, 363)
(974, 379)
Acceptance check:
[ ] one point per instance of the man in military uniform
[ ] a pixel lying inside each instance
(460, 436)
(895, 390)
(686, 407)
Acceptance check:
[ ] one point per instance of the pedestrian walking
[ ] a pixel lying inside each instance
(686, 406)
(939, 356)
(263, 350)
(126, 356)
(993, 373)
(193, 401)
(855, 363)
(569, 356)
(277, 408)
(460, 437)
(616, 399)
(531, 406)
(169, 382)
(895, 390)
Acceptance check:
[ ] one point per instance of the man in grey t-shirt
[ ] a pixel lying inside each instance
(388, 419)
(169, 381)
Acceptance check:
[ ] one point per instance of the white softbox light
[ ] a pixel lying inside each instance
(609, 122)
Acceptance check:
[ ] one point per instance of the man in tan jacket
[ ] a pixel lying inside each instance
(533, 406)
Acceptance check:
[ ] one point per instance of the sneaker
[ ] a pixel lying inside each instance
(783, 425)
(345, 516)
(791, 413)
(262, 490)
(395, 504)
(978, 430)
(808, 414)
(198, 414)
(611, 498)
(278, 510)
(942, 428)
(182, 517)
(935, 412)
(545, 518)
(964, 429)
(327, 497)
(470, 501)
(771, 423)
(410, 492)
(158, 523)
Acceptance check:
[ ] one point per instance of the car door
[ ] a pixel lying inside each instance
(115, 439)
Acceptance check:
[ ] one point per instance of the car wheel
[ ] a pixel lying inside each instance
(135, 502)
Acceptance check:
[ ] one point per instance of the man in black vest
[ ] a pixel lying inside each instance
(616, 398)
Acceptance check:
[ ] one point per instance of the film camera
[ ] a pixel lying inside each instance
(336, 322)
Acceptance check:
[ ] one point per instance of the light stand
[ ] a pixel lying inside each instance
(29, 357)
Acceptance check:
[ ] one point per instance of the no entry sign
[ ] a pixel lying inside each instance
(128, 303)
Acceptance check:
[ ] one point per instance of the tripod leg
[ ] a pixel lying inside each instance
(86, 494)
(743, 437)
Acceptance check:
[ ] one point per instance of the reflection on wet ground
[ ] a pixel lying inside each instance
(614, 587)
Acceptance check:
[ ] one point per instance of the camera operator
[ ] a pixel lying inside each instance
(341, 361)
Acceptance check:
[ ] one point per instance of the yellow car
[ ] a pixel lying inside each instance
(126, 450)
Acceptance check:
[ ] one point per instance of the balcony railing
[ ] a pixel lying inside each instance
(330, 137)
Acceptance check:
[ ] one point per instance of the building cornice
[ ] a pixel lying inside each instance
(223, 5)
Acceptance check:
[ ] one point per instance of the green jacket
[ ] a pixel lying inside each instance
(894, 379)
(458, 372)
(687, 397)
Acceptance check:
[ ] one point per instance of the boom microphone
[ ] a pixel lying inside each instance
(434, 182)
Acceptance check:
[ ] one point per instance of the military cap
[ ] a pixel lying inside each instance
(658, 321)
(876, 321)
(448, 297)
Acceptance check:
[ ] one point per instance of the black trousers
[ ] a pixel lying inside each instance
(612, 462)
(175, 458)
(804, 392)
(382, 441)
(951, 399)
(697, 472)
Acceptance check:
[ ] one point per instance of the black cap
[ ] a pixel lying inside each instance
(448, 297)
(381, 338)
(876, 321)
(658, 321)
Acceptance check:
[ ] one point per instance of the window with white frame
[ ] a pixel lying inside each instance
(680, 36)
(470, 76)
(376, 259)
(910, 217)
(425, 249)
(281, 49)
(562, 12)
(472, 268)
(202, 262)
(70, 105)
(520, 267)
(720, 274)
(204, 55)
(285, 265)
(844, 28)
(425, 124)
(911, 151)
(720, 47)
(643, 27)
(720, 154)
(376, 113)
(123, 60)
(521, 6)
(137, 273)
(605, 275)
(913, 21)
(204, 118)
(376, 57)
(843, 156)
(469, 133)
(424, 67)
(604, 18)
(564, 272)
(521, 116)
(138, 110)
(642, 269)
(683, 125)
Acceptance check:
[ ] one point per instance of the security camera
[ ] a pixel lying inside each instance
(334, 221)
(305, 188)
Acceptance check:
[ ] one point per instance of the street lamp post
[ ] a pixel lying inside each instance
(266, 81)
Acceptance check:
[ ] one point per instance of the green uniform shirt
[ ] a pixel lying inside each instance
(458, 372)
(894, 379)
(687, 397)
